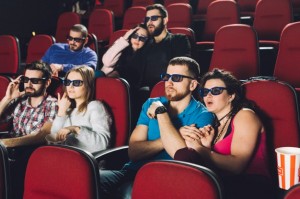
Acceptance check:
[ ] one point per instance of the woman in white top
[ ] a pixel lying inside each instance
(81, 121)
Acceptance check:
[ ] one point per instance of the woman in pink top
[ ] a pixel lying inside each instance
(235, 146)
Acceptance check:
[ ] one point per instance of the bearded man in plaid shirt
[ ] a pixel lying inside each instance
(32, 110)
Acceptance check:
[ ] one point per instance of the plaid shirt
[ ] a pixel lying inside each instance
(27, 119)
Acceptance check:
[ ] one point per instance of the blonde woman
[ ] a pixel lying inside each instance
(81, 121)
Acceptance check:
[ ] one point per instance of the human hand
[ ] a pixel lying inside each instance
(207, 134)
(130, 32)
(190, 132)
(152, 108)
(64, 132)
(63, 104)
(12, 90)
(56, 68)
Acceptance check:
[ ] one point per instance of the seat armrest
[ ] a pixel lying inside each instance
(112, 159)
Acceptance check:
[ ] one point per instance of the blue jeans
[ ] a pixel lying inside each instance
(116, 183)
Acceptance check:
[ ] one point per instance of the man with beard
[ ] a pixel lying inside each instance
(31, 113)
(29, 110)
(146, 143)
(162, 47)
(62, 57)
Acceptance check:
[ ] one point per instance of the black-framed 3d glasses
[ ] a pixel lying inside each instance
(138, 37)
(174, 77)
(214, 91)
(76, 39)
(152, 18)
(25, 79)
(75, 83)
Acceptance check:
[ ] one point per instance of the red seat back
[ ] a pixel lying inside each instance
(115, 94)
(270, 18)
(293, 192)
(116, 6)
(158, 89)
(184, 19)
(37, 47)
(175, 179)
(9, 54)
(134, 16)
(142, 2)
(55, 87)
(92, 42)
(64, 23)
(279, 113)
(61, 172)
(116, 35)
(101, 23)
(4, 82)
(169, 2)
(219, 13)
(5, 189)
(287, 67)
(236, 50)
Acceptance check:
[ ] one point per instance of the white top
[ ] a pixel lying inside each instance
(94, 123)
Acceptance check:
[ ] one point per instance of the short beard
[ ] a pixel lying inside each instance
(158, 30)
(37, 93)
(177, 97)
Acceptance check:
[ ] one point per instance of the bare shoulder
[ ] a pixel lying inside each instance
(247, 117)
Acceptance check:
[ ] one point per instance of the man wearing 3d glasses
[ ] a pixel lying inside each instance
(150, 140)
(64, 56)
(31, 113)
(31, 109)
(162, 46)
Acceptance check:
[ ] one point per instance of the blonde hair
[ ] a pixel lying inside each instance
(88, 78)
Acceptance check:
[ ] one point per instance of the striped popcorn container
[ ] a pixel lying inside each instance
(288, 166)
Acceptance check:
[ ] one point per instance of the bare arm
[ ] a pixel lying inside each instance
(33, 138)
(139, 147)
(170, 136)
(12, 92)
(247, 129)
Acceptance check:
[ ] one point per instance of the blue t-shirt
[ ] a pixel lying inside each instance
(60, 53)
(195, 113)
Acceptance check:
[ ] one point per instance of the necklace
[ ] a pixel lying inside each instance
(222, 130)
(224, 116)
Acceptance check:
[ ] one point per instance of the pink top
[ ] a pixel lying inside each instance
(258, 164)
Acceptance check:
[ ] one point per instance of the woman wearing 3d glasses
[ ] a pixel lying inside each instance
(123, 57)
(235, 146)
(80, 121)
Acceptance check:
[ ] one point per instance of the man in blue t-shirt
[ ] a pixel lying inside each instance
(64, 56)
(159, 120)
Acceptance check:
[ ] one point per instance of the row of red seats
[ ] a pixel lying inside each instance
(53, 158)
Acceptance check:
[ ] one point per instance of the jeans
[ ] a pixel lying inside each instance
(116, 184)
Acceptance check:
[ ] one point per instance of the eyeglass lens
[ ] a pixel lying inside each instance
(152, 18)
(140, 38)
(32, 80)
(214, 91)
(76, 39)
(174, 77)
(75, 83)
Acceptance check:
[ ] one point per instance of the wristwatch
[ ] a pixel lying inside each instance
(160, 110)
